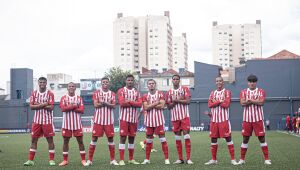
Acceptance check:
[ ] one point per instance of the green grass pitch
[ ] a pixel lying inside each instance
(284, 152)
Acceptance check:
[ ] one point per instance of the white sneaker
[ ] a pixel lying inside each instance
(268, 162)
(167, 162)
(241, 162)
(211, 162)
(114, 162)
(146, 161)
(88, 163)
(233, 162)
(190, 162)
(178, 161)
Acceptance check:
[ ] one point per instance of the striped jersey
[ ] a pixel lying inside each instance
(253, 113)
(179, 111)
(71, 118)
(128, 112)
(104, 115)
(153, 117)
(219, 111)
(42, 116)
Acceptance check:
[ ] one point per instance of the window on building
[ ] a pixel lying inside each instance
(230, 35)
(122, 54)
(122, 31)
(156, 64)
(122, 48)
(128, 31)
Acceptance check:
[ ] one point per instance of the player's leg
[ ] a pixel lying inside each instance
(132, 128)
(65, 150)
(214, 135)
(259, 130)
(247, 129)
(164, 144)
(123, 136)
(92, 148)
(81, 149)
(32, 151)
(177, 131)
(51, 148)
(225, 132)
(149, 144)
(185, 124)
(109, 132)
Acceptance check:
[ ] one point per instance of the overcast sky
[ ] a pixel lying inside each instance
(76, 36)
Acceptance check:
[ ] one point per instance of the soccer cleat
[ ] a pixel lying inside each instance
(233, 162)
(133, 162)
(52, 163)
(146, 161)
(211, 162)
(88, 163)
(83, 162)
(178, 161)
(63, 163)
(142, 145)
(114, 162)
(121, 162)
(268, 162)
(189, 162)
(29, 163)
(167, 162)
(153, 150)
(241, 162)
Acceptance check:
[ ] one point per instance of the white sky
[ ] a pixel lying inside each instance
(76, 36)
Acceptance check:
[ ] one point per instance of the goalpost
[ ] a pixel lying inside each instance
(87, 123)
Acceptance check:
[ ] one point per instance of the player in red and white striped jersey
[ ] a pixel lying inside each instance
(219, 102)
(253, 99)
(42, 102)
(72, 107)
(153, 104)
(104, 103)
(177, 100)
(129, 100)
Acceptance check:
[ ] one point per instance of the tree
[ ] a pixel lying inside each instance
(117, 78)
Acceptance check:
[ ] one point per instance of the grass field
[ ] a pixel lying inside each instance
(284, 152)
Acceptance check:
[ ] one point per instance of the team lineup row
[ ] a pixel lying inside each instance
(176, 99)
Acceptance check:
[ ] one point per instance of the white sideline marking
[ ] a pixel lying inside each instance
(4, 136)
(288, 133)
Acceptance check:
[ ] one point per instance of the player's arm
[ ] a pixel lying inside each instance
(137, 103)
(212, 102)
(121, 99)
(161, 104)
(186, 99)
(112, 104)
(148, 106)
(64, 107)
(79, 107)
(96, 102)
(50, 102)
(260, 100)
(169, 101)
(243, 100)
(207, 113)
(37, 106)
(226, 102)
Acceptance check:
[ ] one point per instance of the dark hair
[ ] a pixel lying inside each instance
(252, 78)
(220, 77)
(129, 76)
(42, 78)
(72, 83)
(151, 80)
(176, 75)
(105, 78)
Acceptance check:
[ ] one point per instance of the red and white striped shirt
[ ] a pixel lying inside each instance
(154, 117)
(128, 111)
(219, 111)
(42, 116)
(253, 113)
(71, 117)
(179, 111)
(104, 115)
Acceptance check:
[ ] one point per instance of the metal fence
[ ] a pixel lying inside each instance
(18, 115)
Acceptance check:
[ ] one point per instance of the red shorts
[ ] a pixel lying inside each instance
(220, 130)
(159, 130)
(99, 130)
(39, 130)
(258, 127)
(183, 124)
(68, 133)
(127, 128)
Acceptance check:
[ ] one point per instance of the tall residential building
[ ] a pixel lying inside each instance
(180, 52)
(143, 42)
(58, 84)
(235, 44)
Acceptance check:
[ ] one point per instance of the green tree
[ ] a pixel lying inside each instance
(117, 78)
